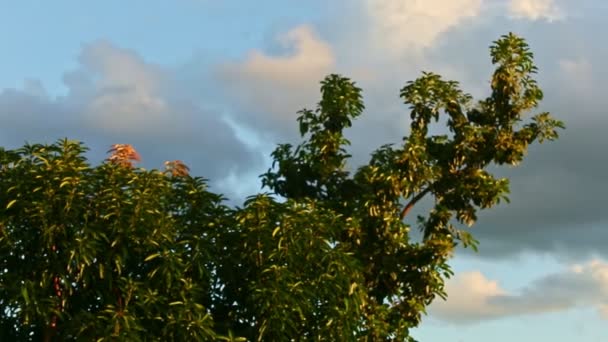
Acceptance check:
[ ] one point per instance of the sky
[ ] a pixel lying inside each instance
(217, 84)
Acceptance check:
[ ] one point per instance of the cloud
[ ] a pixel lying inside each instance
(604, 311)
(399, 25)
(556, 195)
(577, 75)
(535, 10)
(473, 298)
(579, 69)
(29, 112)
(115, 96)
(468, 295)
(265, 91)
(124, 89)
(276, 87)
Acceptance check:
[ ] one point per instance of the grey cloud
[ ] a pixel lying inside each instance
(558, 193)
(473, 298)
(117, 97)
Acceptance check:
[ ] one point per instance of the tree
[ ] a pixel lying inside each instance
(114, 251)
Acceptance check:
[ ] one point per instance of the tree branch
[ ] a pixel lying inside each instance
(413, 201)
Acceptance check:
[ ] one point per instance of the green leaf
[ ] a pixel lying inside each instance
(11, 203)
(151, 257)
(25, 295)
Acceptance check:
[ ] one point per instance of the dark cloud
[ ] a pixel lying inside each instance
(557, 200)
(557, 194)
(557, 203)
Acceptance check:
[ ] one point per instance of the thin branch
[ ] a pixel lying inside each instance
(413, 201)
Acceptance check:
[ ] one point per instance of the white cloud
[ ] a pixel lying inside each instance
(468, 295)
(277, 86)
(399, 25)
(536, 10)
(473, 298)
(604, 311)
(309, 55)
(124, 90)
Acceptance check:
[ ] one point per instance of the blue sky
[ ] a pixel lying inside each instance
(217, 84)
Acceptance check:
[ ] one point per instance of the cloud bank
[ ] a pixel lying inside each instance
(115, 96)
(473, 298)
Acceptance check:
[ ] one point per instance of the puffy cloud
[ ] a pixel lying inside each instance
(125, 90)
(399, 25)
(468, 295)
(473, 298)
(556, 194)
(535, 10)
(275, 87)
(114, 96)
(309, 55)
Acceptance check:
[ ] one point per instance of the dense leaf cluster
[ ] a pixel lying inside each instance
(113, 251)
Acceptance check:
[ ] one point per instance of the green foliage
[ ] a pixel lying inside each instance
(102, 252)
(113, 251)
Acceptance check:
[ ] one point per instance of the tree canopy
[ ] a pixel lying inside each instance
(116, 251)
